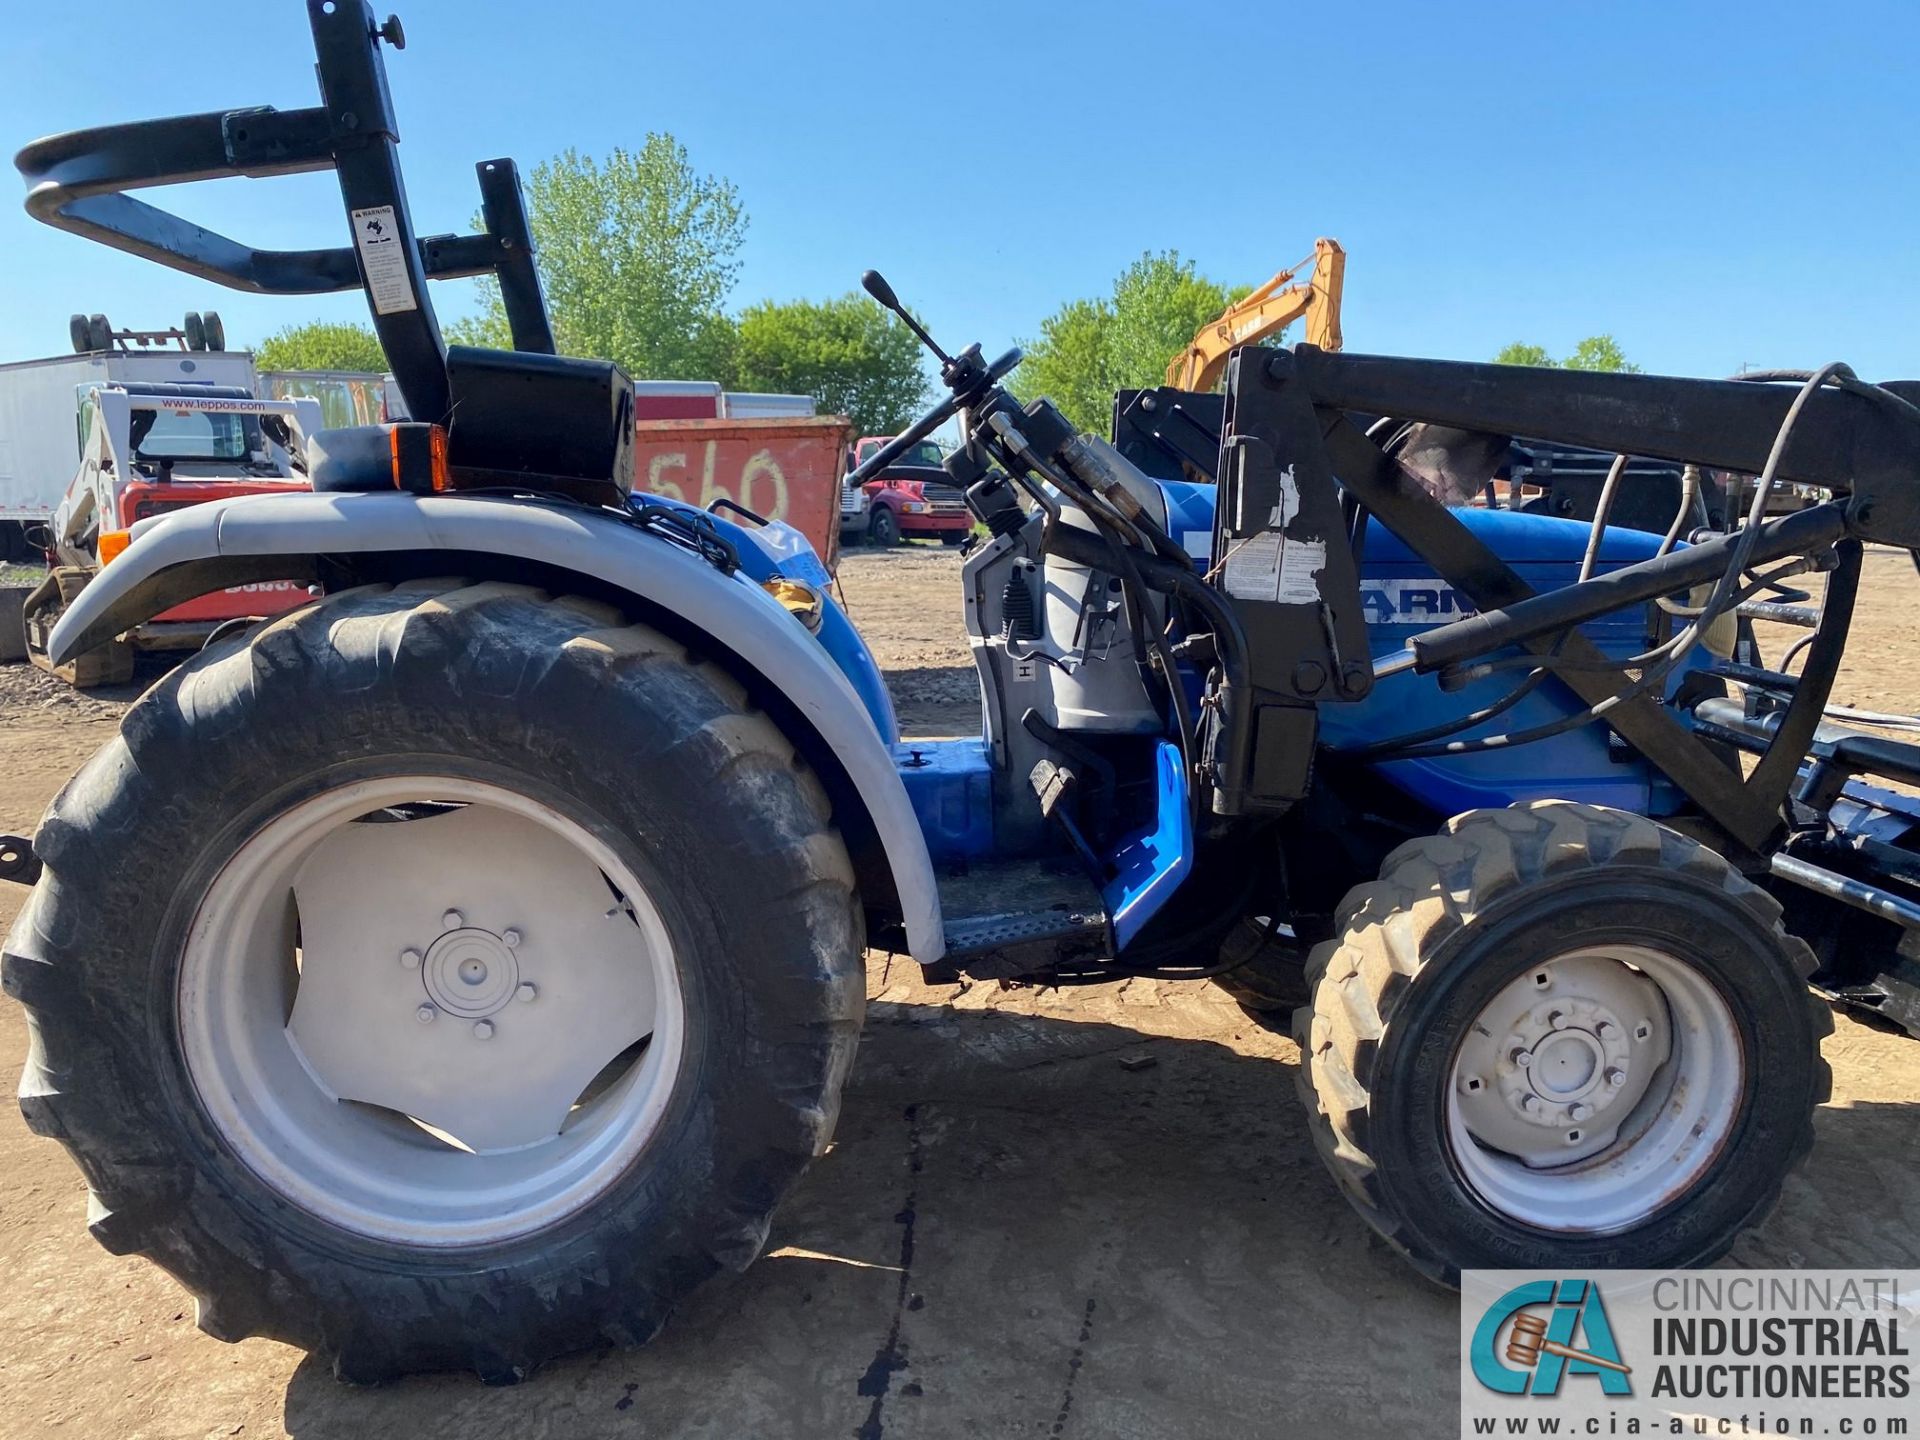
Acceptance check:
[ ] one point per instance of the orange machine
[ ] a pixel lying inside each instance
(1270, 308)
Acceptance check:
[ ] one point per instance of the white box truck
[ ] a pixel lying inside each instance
(40, 439)
(751, 405)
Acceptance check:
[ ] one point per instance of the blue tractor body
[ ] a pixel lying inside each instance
(950, 780)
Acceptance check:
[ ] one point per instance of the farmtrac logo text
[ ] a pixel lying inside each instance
(1412, 602)
(1539, 1333)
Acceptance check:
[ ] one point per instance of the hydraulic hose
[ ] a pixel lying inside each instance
(1648, 580)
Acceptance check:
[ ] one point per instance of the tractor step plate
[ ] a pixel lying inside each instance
(992, 907)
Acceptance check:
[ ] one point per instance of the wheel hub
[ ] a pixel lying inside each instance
(1560, 1058)
(470, 972)
(417, 992)
(1571, 1061)
(369, 1028)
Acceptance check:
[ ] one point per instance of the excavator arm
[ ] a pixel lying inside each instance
(1270, 308)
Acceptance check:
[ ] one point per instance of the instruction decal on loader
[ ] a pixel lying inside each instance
(383, 258)
(1252, 571)
(1270, 566)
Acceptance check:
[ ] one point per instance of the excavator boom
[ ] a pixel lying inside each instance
(1270, 308)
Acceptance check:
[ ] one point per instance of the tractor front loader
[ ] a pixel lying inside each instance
(487, 997)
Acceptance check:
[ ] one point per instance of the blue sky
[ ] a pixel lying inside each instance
(1716, 184)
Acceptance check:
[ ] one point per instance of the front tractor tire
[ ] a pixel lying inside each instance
(1560, 1036)
(443, 976)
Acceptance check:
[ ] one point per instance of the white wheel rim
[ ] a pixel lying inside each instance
(1595, 1090)
(556, 1030)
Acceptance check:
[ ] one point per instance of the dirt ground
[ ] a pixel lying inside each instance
(1091, 1213)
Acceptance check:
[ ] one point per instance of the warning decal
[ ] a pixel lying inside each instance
(1269, 566)
(384, 259)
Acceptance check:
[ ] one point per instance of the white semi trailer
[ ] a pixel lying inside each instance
(40, 439)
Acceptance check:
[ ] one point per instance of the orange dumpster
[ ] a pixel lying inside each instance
(784, 469)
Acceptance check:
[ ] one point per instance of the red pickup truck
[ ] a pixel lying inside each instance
(912, 499)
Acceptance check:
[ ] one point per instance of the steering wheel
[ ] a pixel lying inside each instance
(969, 392)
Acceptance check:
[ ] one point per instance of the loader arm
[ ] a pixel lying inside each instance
(1265, 312)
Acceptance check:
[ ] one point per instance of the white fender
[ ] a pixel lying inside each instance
(225, 542)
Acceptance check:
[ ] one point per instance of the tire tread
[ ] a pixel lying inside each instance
(443, 629)
(1434, 885)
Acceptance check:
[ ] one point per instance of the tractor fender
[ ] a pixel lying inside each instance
(188, 552)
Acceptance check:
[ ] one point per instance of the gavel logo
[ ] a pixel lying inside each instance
(1508, 1349)
(1527, 1342)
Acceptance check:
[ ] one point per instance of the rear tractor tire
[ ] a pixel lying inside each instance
(444, 976)
(1560, 1036)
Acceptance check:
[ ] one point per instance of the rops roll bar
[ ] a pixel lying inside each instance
(79, 182)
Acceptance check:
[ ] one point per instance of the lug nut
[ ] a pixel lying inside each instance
(452, 920)
(1579, 1110)
(410, 959)
(1558, 1019)
(1530, 1104)
(528, 992)
(483, 1029)
(1522, 1058)
(1616, 1078)
(510, 937)
(425, 1014)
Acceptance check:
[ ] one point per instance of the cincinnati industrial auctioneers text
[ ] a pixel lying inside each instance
(1760, 1342)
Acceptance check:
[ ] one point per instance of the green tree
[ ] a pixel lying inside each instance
(1068, 363)
(1519, 353)
(638, 255)
(1596, 352)
(1087, 349)
(1158, 304)
(1600, 352)
(850, 355)
(322, 345)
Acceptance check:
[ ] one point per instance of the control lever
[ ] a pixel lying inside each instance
(875, 284)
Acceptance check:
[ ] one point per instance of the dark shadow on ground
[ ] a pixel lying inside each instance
(1097, 1248)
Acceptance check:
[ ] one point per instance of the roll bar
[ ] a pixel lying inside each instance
(79, 182)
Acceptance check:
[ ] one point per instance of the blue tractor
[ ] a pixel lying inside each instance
(457, 970)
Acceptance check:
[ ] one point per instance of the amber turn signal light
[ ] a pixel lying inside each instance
(803, 602)
(420, 459)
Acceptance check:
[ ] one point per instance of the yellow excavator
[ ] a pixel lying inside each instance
(1268, 309)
